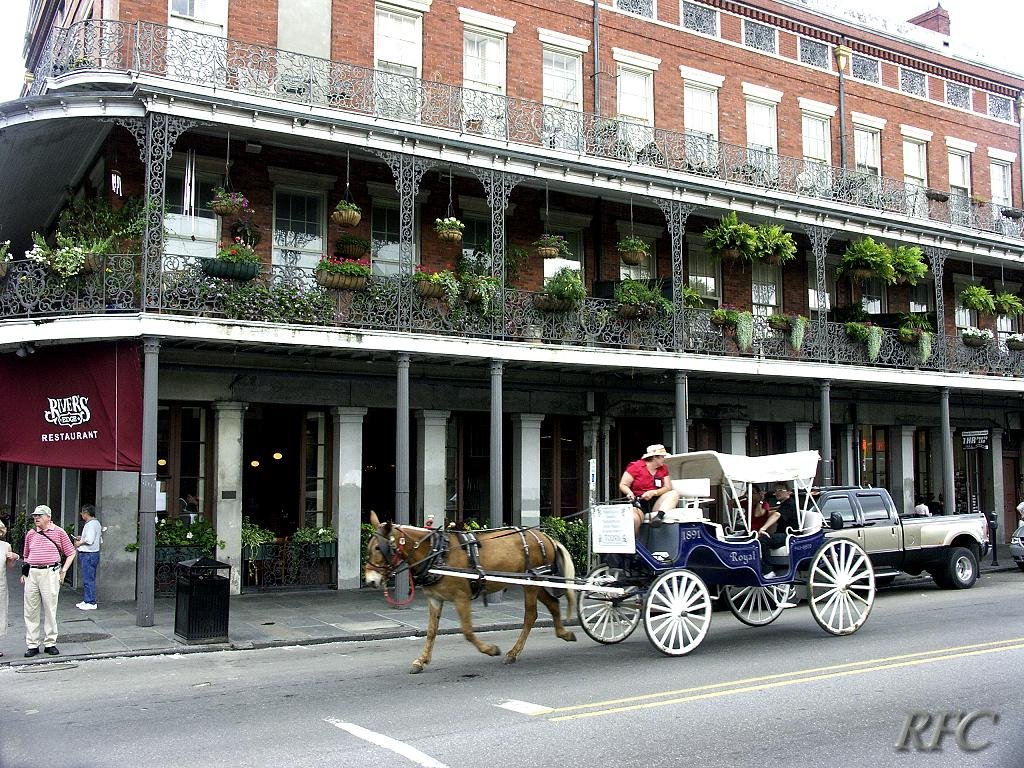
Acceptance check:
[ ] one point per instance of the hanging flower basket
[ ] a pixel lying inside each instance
(449, 235)
(937, 195)
(338, 282)
(346, 218)
(430, 290)
(1013, 213)
(974, 341)
(1015, 345)
(780, 323)
(547, 303)
(632, 258)
(547, 252)
(730, 254)
(93, 263)
(230, 270)
(629, 311)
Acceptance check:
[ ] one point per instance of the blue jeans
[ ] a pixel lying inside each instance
(89, 561)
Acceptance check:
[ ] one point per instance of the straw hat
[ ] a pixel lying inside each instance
(655, 450)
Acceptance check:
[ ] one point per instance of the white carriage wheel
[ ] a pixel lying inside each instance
(606, 618)
(756, 606)
(840, 587)
(677, 612)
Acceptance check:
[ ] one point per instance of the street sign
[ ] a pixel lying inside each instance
(976, 440)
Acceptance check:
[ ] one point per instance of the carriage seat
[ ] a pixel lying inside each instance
(813, 522)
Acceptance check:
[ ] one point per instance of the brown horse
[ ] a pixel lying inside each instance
(506, 550)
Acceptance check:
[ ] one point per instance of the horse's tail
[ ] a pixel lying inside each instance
(566, 568)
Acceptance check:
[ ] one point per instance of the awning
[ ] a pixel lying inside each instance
(78, 407)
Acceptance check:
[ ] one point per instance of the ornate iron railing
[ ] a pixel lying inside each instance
(290, 294)
(288, 565)
(226, 64)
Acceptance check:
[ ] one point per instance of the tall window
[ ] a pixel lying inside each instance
(636, 106)
(563, 98)
(1002, 195)
(702, 271)
(644, 270)
(483, 67)
(762, 140)
(315, 511)
(386, 238)
(867, 150)
(874, 456)
(397, 46)
(960, 187)
(872, 296)
(816, 139)
(574, 241)
(298, 228)
(915, 175)
(181, 459)
(812, 286)
(700, 119)
(766, 289)
(961, 316)
(922, 297)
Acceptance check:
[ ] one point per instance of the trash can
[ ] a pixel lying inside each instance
(201, 601)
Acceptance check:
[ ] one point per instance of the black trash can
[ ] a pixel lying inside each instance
(201, 604)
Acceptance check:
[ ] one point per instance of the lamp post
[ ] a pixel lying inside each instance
(842, 55)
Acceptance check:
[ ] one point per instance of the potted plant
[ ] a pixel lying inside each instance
(69, 258)
(866, 333)
(226, 203)
(551, 246)
(480, 290)
(908, 264)
(725, 316)
(346, 214)
(5, 257)
(237, 261)
(865, 259)
(1007, 304)
(437, 285)
(342, 274)
(976, 337)
(915, 329)
(255, 539)
(937, 195)
(352, 247)
(323, 539)
(633, 250)
(774, 245)
(449, 229)
(1015, 342)
(977, 298)
(246, 229)
(692, 298)
(780, 322)
(562, 292)
(731, 239)
(636, 298)
(1013, 213)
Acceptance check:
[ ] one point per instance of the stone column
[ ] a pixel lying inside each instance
(948, 487)
(229, 420)
(680, 443)
(902, 483)
(431, 472)
(591, 431)
(798, 436)
(347, 504)
(526, 468)
(994, 475)
(145, 565)
(734, 436)
(117, 505)
(495, 494)
(848, 456)
(825, 425)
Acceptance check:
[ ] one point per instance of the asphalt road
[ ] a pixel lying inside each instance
(784, 695)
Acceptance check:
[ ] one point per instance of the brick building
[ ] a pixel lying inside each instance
(297, 405)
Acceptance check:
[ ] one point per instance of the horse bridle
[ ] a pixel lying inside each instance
(394, 561)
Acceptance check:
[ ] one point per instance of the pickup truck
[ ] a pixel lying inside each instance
(948, 547)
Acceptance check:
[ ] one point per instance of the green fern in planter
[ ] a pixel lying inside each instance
(566, 284)
(908, 264)
(978, 298)
(1007, 304)
(864, 259)
(731, 235)
(692, 298)
(774, 245)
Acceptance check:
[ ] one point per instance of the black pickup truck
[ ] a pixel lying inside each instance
(948, 547)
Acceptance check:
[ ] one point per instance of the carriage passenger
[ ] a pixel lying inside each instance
(647, 484)
(780, 520)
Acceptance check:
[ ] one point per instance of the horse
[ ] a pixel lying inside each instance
(393, 548)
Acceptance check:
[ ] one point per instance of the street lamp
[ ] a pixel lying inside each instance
(842, 55)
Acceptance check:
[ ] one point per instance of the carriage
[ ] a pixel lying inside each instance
(667, 577)
(685, 559)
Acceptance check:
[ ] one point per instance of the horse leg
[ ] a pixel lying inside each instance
(556, 614)
(434, 607)
(466, 623)
(529, 617)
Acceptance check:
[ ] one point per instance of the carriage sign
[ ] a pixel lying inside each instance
(976, 440)
(611, 529)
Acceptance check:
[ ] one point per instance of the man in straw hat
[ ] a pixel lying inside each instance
(44, 548)
(647, 485)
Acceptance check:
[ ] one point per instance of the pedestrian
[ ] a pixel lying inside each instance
(9, 558)
(88, 546)
(42, 574)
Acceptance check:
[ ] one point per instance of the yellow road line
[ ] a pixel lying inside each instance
(779, 680)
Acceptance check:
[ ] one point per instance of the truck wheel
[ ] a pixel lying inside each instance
(1021, 566)
(960, 570)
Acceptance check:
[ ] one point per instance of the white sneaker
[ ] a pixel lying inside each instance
(86, 606)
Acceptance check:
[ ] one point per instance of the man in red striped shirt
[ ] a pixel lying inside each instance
(42, 551)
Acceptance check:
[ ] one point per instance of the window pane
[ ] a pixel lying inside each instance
(815, 138)
(703, 272)
(562, 80)
(385, 235)
(761, 133)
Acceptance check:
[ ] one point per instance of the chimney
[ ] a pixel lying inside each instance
(937, 20)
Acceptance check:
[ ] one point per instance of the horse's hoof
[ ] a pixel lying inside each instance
(416, 668)
(569, 637)
(492, 650)
(510, 659)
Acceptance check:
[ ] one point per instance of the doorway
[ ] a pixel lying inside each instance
(272, 493)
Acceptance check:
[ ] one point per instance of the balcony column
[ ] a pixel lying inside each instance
(825, 426)
(402, 457)
(431, 472)
(819, 237)
(229, 420)
(496, 494)
(408, 172)
(606, 470)
(145, 566)
(992, 501)
(526, 468)
(676, 214)
(902, 483)
(734, 436)
(347, 499)
(937, 260)
(156, 135)
(681, 444)
(591, 433)
(498, 187)
(948, 488)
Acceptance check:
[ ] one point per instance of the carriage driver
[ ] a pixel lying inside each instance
(647, 484)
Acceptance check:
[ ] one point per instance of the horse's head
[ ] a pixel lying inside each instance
(383, 552)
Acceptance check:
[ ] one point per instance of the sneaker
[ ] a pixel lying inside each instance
(51, 650)
(31, 652)
(81, 606)
(87, 606)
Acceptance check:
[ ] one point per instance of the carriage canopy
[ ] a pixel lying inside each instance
(727, 468)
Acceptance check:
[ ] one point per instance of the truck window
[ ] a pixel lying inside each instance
(840, 504)
(873, 506)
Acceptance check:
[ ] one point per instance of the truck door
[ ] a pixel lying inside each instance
(851, 527)
(882, 532)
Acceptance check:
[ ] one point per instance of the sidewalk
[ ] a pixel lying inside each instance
(263, 620)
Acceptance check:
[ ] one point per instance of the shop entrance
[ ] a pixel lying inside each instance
(272, 494)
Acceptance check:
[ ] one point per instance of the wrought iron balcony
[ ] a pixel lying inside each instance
(288, 294)
(215, 62)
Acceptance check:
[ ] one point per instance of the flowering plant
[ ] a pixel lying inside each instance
(554, 241)
(221, 197)
(175, 532)
(5, 251)
(239, 252)
(726, 314)
(449, 224)
(632, 243)
(446, 278)
(68, 259)
(314, 535)
(254, 535)
(347, 205)
(981, 334)
(1016, 338)
(339, 265)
